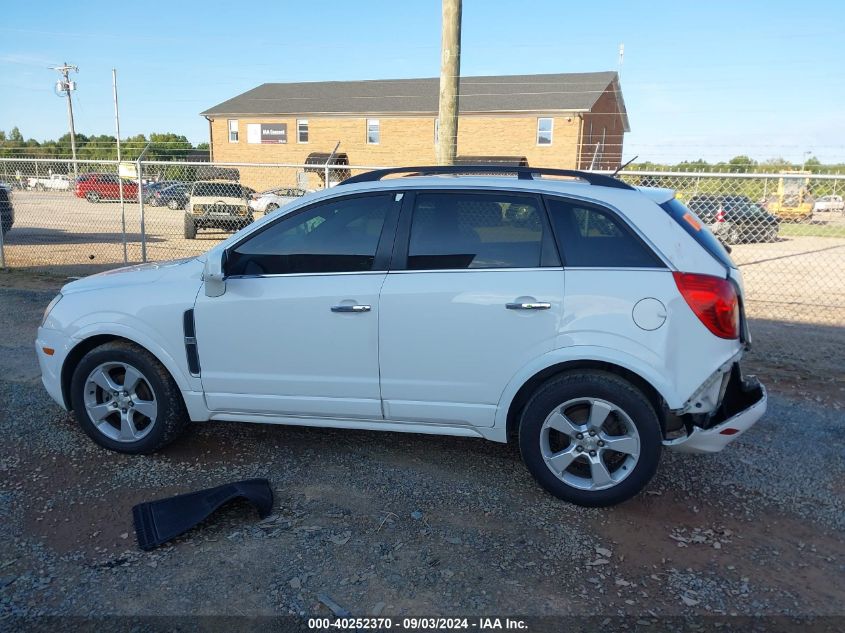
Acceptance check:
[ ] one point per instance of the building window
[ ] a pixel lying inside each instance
(302, 130)
(373, 132)
(545, 128)
(233, 130)
(436, 131)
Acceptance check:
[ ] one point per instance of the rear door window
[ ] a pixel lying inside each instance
(594, 237)
(475, 231)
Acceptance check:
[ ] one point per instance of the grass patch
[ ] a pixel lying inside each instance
(814, 230)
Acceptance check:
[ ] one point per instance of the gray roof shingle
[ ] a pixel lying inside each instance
(509, 93)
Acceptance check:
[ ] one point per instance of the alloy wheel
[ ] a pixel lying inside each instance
(590, 444)
(120, 402)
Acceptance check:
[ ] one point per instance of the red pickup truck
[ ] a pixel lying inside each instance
(96, 187)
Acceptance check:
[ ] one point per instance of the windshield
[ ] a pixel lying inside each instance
(218, 190)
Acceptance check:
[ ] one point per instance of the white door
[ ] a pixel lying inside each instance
(481, 296)
(296, 332)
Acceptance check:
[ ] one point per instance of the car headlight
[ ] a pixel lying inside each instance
(50, 307)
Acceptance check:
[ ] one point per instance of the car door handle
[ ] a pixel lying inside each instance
(351, 308)
(537, 305)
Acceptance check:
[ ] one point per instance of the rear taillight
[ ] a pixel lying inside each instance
(713, 300)
(720, 215)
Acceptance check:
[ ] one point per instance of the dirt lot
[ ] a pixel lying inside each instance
(408, 525)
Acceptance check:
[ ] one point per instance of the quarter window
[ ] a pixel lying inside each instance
(334, 237)
(457, 231)
(233, 130)
(594, 238)
(545, 130)
(373, 132)
(302, 130)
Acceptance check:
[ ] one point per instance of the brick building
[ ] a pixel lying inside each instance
(574, 120)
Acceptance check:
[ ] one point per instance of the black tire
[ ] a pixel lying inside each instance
(602, 386)
(173, 204)
(271, 207)
(190, 228)
(171, 417)
(92, 196)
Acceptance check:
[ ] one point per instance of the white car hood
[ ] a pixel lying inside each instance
(131, 275)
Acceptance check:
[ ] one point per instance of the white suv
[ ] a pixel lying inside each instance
(589, 321)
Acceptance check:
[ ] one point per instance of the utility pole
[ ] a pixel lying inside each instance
(450, 72)
(66, 86)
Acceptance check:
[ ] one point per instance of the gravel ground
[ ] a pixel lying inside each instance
(397, 524)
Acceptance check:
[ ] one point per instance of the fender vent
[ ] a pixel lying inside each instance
(191, 351)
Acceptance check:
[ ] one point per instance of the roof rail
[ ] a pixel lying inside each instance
(523, 173)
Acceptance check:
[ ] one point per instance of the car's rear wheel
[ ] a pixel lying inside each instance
(92, 196)
(590, 438)
(271, 207)
(190, 228)
(733, 236)
(125, 400)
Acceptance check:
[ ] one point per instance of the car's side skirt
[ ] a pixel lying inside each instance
(364, 425)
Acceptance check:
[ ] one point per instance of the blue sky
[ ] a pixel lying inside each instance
(700, 79)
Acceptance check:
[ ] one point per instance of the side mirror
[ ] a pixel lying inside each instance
(213, 275)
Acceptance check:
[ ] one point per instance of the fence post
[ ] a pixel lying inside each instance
(2, 247)
(141, 209)
(326, 180)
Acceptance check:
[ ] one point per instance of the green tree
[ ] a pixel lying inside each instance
(742, 163)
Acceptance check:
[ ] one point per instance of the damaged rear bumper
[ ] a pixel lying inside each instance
(744, 403)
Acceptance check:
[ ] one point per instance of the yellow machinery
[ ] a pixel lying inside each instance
(793, 202)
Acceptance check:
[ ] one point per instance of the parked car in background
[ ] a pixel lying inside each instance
(151, 187)
(735, 219)
(219, 204)
(172, 197)
(57, 182)
(270, 200)
(590, 323)
(7, 211)
(96, 187)
(829, 203)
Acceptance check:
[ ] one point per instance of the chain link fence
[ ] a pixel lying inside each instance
(785, 231)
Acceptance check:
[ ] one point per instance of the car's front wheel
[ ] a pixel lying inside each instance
(92, 196)
(125, 400)
(590, 438)
(173, 204)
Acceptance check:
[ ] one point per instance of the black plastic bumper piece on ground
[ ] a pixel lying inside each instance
(157, 522)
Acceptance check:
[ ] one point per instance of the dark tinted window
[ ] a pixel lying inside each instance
(337, 236)
(694, 226)
(461, 230)
(590, 236)
(221, 189)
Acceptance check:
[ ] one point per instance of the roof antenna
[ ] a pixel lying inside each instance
(621, 58)
(621, 167)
